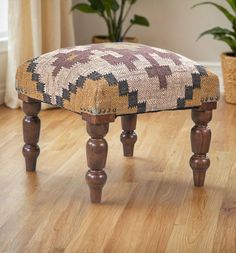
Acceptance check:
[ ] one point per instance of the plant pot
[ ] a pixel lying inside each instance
(102, 39)
(229, 76)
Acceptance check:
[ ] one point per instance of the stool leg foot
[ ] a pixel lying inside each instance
(96, 150)
(31, 132)
(199, 178)
(200, 139)
(128, 136)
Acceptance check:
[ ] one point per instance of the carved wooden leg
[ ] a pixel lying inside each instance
(200, 139)
(31, 132)
(96, 158)
(128, 137)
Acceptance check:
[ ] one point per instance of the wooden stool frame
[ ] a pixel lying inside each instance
(97, 147)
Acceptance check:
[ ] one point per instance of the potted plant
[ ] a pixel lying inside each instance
(228, 59)
(114, 13)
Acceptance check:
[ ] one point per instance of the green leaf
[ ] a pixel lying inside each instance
(115, 5)
(86, 8)
(224, 35)
(219, 7)
(218, 31)
(110, 5)
(139, 20)
(232, 3)
(97, 5)
(228, 40)
(234, 26)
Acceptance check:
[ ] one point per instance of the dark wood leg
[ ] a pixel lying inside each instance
(96, 149)
(200, 139)
(31, 132)
(128, 137)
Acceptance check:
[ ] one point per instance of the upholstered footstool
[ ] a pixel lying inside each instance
(103, 81)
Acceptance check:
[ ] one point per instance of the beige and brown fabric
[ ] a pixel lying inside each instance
(120, 78)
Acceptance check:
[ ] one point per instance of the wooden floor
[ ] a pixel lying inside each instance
(149, 202)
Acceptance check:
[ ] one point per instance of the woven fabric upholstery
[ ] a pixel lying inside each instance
(118, 78)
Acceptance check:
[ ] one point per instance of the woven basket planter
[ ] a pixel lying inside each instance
(102, 39)
(229, 75)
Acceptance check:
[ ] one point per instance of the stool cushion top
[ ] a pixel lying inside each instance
(117, 78)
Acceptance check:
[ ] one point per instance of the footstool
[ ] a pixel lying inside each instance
(103, 81)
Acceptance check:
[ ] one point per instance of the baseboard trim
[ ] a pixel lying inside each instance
(214, 66)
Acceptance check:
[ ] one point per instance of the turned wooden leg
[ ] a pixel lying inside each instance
(128, 137)
(200, 139)
(31, 131)
(96, 149)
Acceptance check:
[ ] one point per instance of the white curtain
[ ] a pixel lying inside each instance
(35, 27)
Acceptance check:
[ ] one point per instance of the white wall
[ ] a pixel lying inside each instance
(3, 15)
(174, 25)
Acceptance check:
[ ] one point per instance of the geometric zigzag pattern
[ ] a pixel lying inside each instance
(120, 78)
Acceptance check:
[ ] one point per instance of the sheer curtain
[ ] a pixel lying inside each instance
(35, 27)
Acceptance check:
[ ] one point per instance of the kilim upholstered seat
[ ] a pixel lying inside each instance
(103, 81)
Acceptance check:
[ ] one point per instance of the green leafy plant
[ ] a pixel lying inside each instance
(114, 13)
(226, 35)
